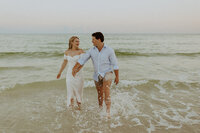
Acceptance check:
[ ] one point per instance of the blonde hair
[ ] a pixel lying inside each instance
(71, 40)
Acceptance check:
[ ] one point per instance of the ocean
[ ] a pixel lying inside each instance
(158, 92)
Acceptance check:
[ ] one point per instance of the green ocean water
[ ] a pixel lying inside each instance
(159, 87)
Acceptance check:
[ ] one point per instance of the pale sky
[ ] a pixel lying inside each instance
(108, 16)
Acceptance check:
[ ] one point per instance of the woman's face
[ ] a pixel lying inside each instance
(75, 43)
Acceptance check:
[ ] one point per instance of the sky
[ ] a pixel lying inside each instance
(109, 16)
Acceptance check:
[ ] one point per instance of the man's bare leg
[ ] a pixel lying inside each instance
(106, 87)
(99, 87)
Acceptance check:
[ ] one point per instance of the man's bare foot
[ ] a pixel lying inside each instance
(100, 108)
(70, 107)
(108, 113)
(77, 108)
(108, 116)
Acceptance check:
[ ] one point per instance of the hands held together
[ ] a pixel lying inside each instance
(74, 71)
(77, 67)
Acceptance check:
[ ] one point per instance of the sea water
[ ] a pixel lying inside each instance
(159, 88)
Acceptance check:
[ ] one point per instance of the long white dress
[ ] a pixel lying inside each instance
(74, 84)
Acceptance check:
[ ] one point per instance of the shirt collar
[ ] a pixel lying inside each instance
(103, 46)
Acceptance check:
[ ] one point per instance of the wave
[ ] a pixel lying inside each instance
(20, 68)
(117, 52)
(121, 53)
(31, 54)
(57, 43)
(141, 84)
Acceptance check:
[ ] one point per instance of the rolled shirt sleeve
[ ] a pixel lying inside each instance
(113, 60)
(85, 57)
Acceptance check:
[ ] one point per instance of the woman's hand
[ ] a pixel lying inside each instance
(58, 76)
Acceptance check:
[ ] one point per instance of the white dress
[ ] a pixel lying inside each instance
(74, 84)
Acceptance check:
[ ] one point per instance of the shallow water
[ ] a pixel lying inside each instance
(139, 106)
(159, 89)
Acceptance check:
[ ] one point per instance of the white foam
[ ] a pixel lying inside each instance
(151, 127)
(126, 83)
(3, 88)
(115, 124)
(159, 99)
(122, 83)
(123, 103)
(162, 90)
(137, 121)
(89, 83)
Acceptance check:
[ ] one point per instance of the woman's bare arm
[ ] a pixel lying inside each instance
(63, 65)
(62, 68)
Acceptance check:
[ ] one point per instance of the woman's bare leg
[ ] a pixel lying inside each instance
(79, 105)
(72, 103)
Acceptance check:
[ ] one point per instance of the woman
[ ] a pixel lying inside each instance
(74, 84)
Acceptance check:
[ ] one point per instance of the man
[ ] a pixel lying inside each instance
(103, 58)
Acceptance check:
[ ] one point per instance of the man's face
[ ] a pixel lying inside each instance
(95, 41)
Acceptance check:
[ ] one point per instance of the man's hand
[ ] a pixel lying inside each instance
(58, 76)
(116, 76)
(76, 68)
(116, 80)
(74, 72)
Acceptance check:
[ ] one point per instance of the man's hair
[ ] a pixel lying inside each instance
(98, 35)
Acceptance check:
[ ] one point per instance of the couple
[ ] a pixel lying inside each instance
(103, 58)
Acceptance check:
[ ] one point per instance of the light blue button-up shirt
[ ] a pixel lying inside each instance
(103, 61)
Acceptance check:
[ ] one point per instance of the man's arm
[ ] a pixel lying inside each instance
(77, 67)
(81, 62)
(113, 60)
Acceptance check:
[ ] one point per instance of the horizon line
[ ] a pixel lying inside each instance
(100, 31)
